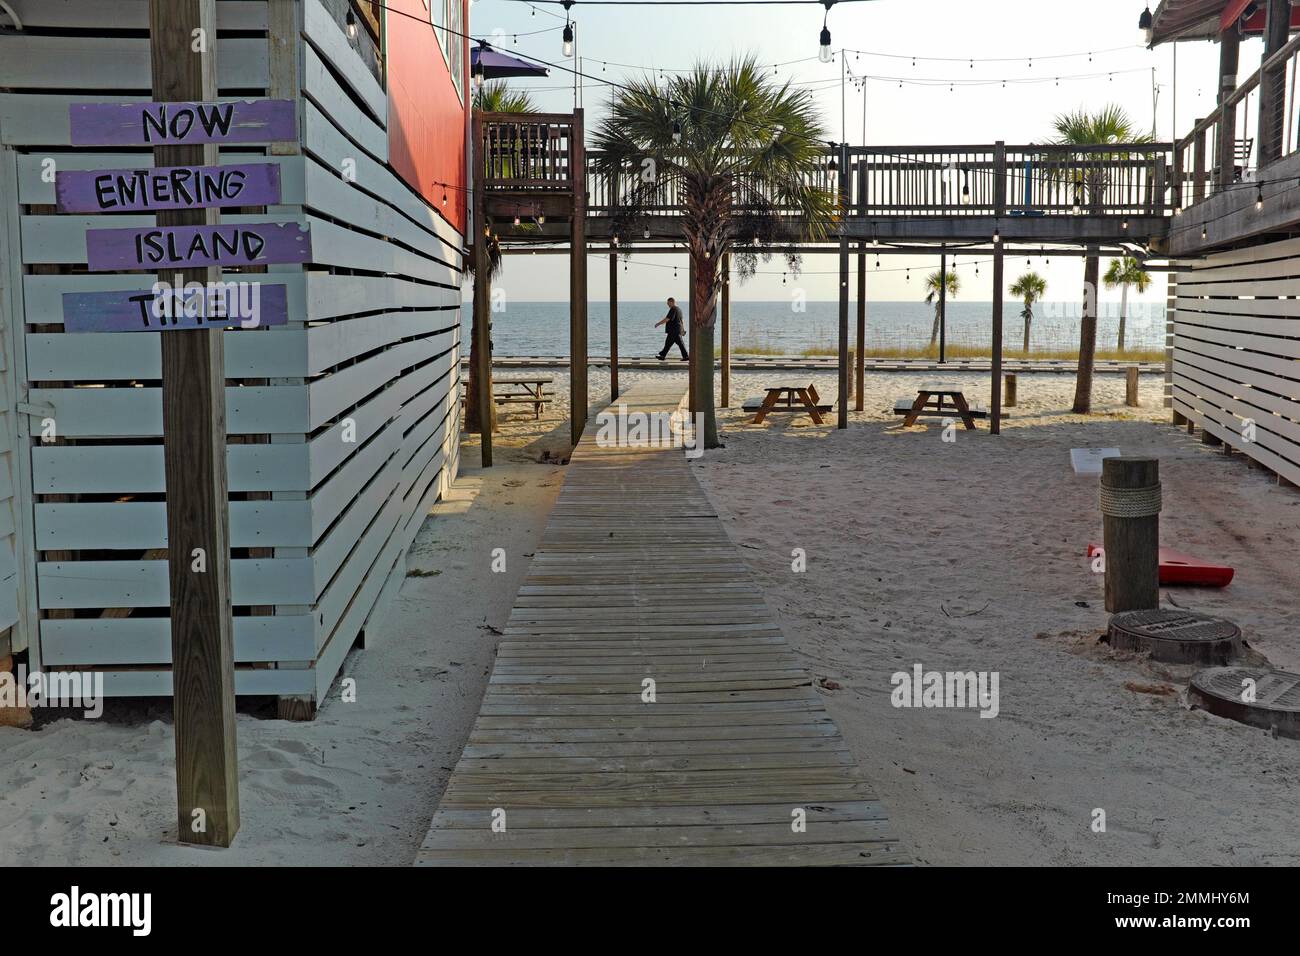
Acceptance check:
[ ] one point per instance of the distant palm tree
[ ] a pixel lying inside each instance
(1109, 125)
(1124, 273)
(1029, 288)
(745, 154)
(933, 284)
(496, 96)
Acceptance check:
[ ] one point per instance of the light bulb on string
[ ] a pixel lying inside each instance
(824, 38)
(351, 21)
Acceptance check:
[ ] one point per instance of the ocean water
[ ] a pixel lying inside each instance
(542, 328)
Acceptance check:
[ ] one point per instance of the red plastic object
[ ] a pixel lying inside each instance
(1179, 568)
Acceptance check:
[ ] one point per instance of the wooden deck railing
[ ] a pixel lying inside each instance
(528, 151)
(535, 152)
(996, 180)
(1231, 143)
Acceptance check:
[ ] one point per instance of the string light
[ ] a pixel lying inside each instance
(351, 21)
(824, 41)
(568, 29)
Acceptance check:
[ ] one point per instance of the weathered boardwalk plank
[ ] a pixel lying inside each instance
(636, 578)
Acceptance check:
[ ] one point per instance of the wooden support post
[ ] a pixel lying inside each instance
(1179, 419)
(943, 304)
(481, 329)
(194, 462)
(995, 409)
(1214, 441)
(845, 383)
(692, 399)
(726, 330)
(1272, 84)
(1229, 57)
(860, 356)
(577, 282)
(1010, 390)
(1131, 387)
(613, 324)
(1130, 505)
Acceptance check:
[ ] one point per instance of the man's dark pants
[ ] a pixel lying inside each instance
(674, 338)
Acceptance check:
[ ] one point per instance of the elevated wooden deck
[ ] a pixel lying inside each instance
(636, 578)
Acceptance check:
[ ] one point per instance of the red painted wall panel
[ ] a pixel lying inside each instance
(426, 118)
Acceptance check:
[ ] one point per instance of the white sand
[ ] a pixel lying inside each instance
(898, 526)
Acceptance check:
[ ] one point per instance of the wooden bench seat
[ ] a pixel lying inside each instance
(904, 405)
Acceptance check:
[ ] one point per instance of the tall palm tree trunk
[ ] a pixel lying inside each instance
(1028, 317)
(1087, 334)
(1123, 313)
(934, 329)
(704, 302)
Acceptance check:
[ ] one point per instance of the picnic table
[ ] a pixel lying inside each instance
(522, 390)
(806, 395)
(938, 401)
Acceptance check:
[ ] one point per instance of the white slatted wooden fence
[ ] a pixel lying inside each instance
(317, 523)
(1236, 355)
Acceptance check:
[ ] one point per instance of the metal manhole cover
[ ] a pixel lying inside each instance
(1257, 696)
(1180, 637)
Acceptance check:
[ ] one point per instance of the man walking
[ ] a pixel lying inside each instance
(673, 321)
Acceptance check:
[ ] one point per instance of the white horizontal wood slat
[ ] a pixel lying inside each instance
(95, 584)
(1236, 351)
(39, 62)
(321, 88)
(137, 412)
(142, 525)
(327, 38)
(248, 15)
(147, 640)
(138, 469)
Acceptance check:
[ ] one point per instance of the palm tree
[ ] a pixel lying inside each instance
(1126, 272)
(743, 154)
(494, 96)
(1109, 125)
(932, 286)
(1029, 288)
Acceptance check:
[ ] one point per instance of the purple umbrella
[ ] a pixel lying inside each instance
(487, 63)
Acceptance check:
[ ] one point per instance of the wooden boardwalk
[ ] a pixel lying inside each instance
(636, 578)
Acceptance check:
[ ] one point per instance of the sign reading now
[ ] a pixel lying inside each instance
(172, 187)
(176, 124)
(153, 247)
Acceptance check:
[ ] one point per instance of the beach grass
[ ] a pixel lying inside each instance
(957, 352)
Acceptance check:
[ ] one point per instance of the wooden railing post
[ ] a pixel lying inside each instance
(1176, 194)
(999, 178)
(1226, 154)
(1272, 83)
(1198, 165)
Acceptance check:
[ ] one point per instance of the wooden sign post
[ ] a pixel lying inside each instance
(183, 45)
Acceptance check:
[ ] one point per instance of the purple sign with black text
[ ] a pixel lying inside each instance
(173, 187)
(176, 124)
(154, 247)
(171, 307)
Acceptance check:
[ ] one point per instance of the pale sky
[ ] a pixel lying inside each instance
(1110, 66)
